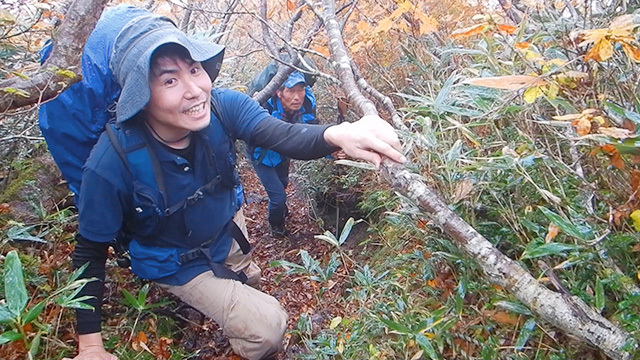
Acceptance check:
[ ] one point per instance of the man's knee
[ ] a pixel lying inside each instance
(266, 337)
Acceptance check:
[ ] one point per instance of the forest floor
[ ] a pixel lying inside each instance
(186, 330)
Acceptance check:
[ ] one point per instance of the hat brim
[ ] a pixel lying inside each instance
(135, 93)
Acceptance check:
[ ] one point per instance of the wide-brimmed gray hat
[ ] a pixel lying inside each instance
(131, 58)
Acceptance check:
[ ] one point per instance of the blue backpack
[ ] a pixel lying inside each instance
(72, 122)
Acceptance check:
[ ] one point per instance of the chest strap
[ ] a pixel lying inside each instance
(220, 270)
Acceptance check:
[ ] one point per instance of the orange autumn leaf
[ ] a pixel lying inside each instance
(470, 31)
(509, 29)
(632, 51)
(432, 283)
(609, 149)
(291, 4)
(322, 50)
(552, 232)
(583, 126)
(428, 24)
(616, 161)
(501, 317)
(522, 45)
(635, 181)
(363, 26)
(601, 51)
(142, 337)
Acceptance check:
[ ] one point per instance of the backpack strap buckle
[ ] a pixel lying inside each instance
(195, 197)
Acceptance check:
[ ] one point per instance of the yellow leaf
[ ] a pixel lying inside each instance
(405, 6)
(531, 94)
(335, 322)
(511, 82)
(606, 50)
(635, 216)
(384, 25)
(428, 24)
(532, 55)
(340, 346)
(617, 133)
(593, 36)
(473, 30)
(552, 91)
(552, 232)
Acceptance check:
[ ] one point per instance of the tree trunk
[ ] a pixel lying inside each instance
(62, 68)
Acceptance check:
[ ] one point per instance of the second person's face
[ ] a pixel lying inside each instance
(292, 98)
(179, 103)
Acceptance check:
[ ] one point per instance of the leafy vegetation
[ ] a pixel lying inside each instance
(528, 130)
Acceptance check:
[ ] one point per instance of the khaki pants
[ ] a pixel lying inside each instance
(253, 321)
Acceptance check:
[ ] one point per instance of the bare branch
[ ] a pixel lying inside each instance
(54, 75)
(184, 24)
(341, 62)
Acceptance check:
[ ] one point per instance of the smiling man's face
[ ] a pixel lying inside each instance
(180, 91)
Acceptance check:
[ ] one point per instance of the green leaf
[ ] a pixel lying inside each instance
(399, 328)
(328, 237)
(35, 346)
(6, 315)
(33, 313)
(9, 336)
(14, 287)
(583, 233)
(77, 272)
(525, 333)
(346, 230)
(600, 298)
(514, 307)
(130, 300)
(142, 295)
(425, 345)
(534, 250)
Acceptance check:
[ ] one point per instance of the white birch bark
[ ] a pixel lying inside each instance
(570, 314)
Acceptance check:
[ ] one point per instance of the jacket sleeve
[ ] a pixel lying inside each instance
(297, 141)
(94, 253)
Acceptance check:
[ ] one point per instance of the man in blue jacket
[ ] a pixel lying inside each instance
(164, 175)
(294, 103)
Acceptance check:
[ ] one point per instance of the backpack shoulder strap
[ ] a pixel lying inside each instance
(137, 155)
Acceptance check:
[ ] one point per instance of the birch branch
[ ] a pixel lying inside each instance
(62, 68)
(569, 313)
